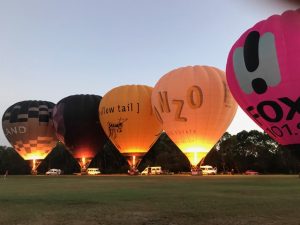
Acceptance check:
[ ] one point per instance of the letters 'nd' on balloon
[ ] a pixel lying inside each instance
(263, 70)
(127, 118)
(195, 108)
(28, 127)
(77, 125)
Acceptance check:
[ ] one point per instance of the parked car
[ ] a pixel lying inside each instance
(153, 170)
(93, 171)
(54, 172)
(251, 172)
(208, 170)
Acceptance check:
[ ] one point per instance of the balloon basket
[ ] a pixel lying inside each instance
(33, 172)
(196, 171)
(133, 171)
(133, 161)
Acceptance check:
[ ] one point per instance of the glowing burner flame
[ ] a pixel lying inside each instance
(34, 166)
(84, 163)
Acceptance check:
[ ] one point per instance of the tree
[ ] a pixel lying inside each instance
(59, 158)
(12, 162)
(110, 160)
(166, 154)
(245, 150)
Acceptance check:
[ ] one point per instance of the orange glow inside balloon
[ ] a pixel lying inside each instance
(196, 151)
(195, 108)
(127, 119)
(33, 153)
(28, 126)
(35, 156)
(83, 152)
(135, 151)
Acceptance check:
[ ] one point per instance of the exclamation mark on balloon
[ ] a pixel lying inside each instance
(251, 57)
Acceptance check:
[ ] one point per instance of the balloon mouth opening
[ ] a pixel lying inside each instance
(35, 156)
(195, 155)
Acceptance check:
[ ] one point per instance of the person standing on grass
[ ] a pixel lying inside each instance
(5, 175)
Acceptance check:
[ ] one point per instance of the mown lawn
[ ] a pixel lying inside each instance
(155, 200)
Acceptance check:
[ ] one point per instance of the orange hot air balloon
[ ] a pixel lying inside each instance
(28, 126)
(127, 119)
(195, 107)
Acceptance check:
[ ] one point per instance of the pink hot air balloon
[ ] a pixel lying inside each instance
(263, 74)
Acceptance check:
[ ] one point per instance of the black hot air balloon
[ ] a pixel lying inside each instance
(77, 125)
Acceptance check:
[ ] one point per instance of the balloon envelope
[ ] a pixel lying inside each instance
(263, 70)
(195, 107)
(127, 119)
(77, 125)
(28, 126)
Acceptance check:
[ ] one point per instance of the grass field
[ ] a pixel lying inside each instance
(155, 200)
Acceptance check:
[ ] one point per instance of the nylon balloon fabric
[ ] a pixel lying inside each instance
(128, 120)
(77, 125)
(263, 68)
(195, 108)
(28, 126)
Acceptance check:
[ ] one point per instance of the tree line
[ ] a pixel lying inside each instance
(246, 150)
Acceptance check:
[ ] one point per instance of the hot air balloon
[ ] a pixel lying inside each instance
(77, 125)
(28, 126)
(127, 119)
(195, 108)
(263, 70)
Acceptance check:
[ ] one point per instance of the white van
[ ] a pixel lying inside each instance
(93, 171)
(208, 170)
(53, 172)
(152, 170)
